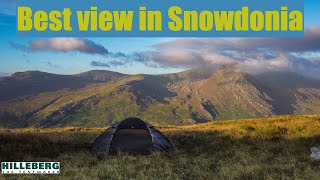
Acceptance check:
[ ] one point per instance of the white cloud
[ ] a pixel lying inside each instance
(63, 45)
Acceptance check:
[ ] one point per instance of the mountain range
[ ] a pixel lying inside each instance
(98, 98)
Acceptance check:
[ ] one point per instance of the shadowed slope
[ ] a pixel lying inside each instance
(98, 98)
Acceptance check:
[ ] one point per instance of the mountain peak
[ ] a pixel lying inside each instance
(195, 74)
(231, 73)
(231, 88)
(28, 75)
(230, 68)
(100, 75)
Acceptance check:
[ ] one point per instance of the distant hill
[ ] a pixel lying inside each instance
(35, 82)
(4, 74)
(98, 98)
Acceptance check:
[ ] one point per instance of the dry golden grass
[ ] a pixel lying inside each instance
(296, 126)
(273, 148)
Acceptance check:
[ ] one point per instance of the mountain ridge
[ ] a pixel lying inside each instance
(97, 98)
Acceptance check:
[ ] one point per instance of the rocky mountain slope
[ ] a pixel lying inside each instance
(98, 98)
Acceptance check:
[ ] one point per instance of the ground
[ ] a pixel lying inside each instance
(274, 148)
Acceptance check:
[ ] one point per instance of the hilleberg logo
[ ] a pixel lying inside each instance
(30, 167)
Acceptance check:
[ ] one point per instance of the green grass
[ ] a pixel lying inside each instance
(274, 148)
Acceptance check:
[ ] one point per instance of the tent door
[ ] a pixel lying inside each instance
(132, 141)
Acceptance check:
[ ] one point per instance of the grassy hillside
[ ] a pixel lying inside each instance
(274, 148)
(99, 98)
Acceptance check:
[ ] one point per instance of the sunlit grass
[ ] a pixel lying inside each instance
(273, 148)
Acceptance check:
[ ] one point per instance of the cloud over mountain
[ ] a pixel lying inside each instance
(255, 55)
(252, 54)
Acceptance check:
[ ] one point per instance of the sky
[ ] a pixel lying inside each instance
(157, 55)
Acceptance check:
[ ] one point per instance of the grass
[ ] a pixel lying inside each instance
(274, 148)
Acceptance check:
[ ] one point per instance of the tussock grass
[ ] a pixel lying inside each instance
(275, 148)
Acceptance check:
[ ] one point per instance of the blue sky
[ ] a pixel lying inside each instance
(13, 60)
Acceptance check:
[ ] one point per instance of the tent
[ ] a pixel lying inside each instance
(131, 135)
